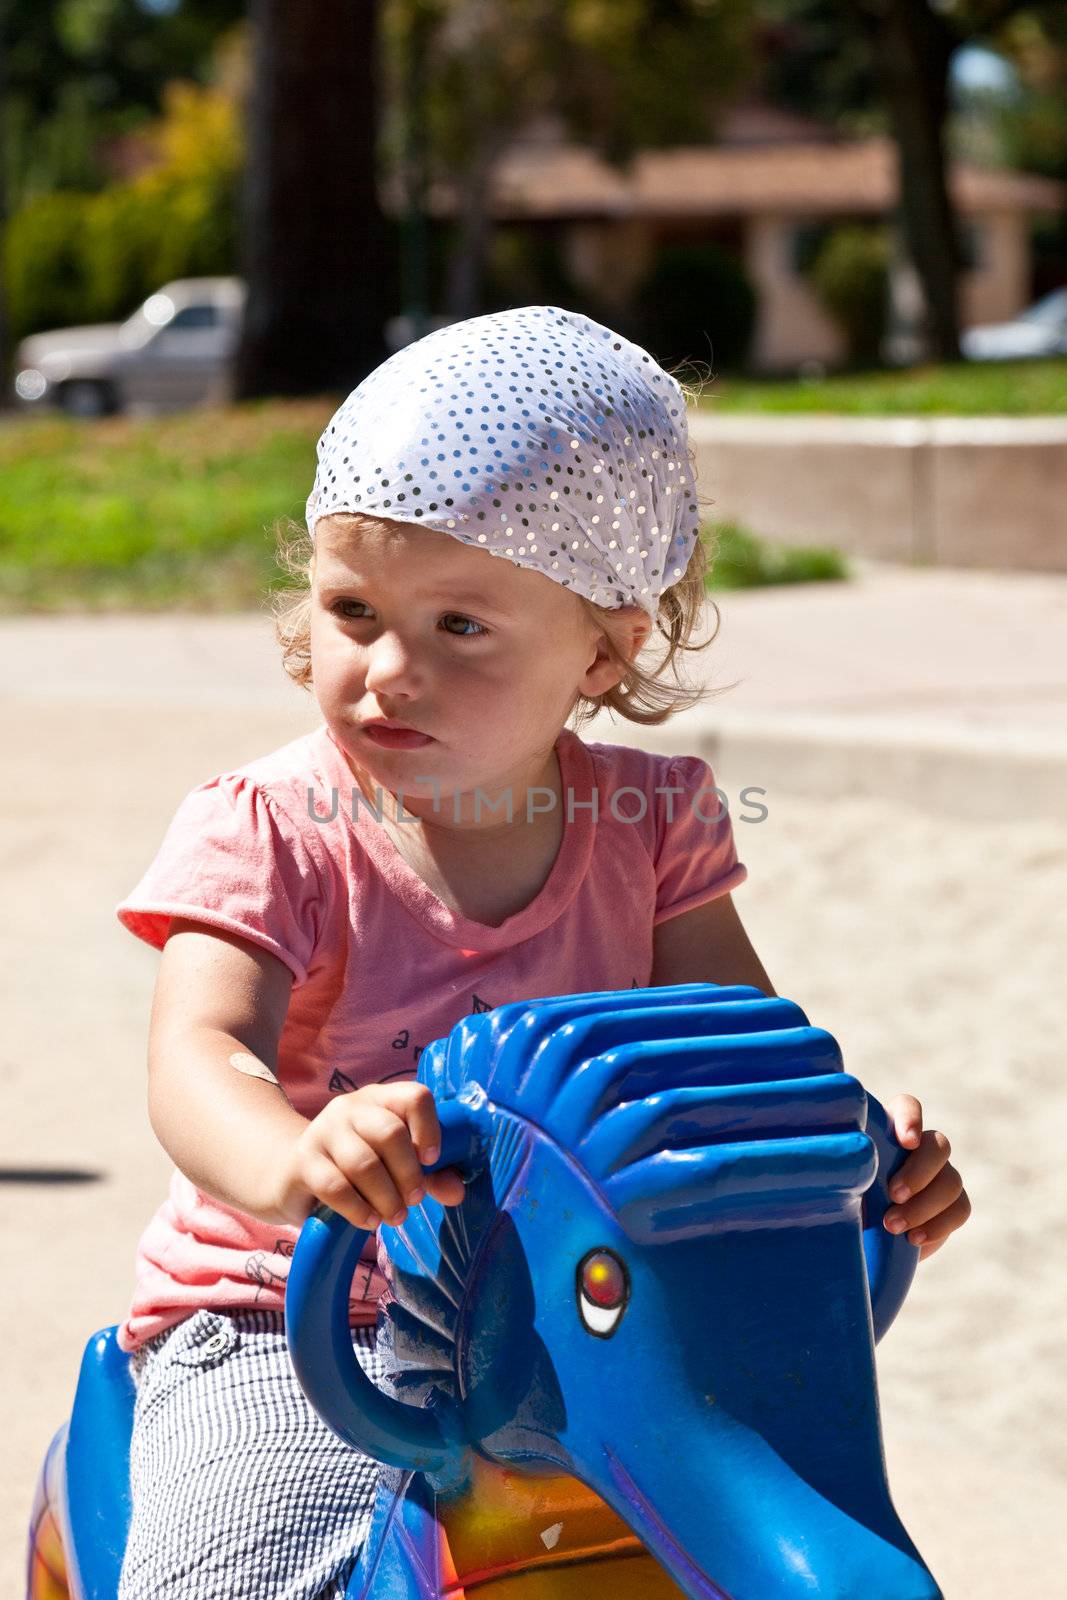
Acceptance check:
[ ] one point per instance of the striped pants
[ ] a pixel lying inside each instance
(240, 1491)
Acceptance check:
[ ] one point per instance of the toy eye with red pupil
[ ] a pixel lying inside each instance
(602, 1286)
(603, 1281)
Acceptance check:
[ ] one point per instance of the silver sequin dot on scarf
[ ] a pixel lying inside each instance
(535, 434)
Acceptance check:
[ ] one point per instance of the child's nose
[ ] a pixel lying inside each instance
(392, 666)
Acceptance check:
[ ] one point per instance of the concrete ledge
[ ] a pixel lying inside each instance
(953, 491)
(972, 777)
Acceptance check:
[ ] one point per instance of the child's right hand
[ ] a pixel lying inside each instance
(363, 1156)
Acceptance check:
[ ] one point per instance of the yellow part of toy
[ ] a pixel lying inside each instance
(514, 1536)
(47, 1576)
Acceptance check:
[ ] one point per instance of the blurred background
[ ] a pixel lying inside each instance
(798, 207)
(845, 229)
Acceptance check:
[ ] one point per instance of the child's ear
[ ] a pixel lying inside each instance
(630, 628)
(640, 627)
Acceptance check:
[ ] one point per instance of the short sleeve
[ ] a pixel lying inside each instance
(696, 859)
(233, 859)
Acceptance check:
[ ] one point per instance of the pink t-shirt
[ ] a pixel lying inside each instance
(381, 967)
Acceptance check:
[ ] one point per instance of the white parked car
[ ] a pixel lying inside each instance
(174, 351)
(1040, 330)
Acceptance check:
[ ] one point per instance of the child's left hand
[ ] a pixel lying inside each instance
(935, 1203)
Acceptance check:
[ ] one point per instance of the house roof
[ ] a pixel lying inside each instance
(755, 121)
(537, 178)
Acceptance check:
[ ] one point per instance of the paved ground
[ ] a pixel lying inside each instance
(855, 895)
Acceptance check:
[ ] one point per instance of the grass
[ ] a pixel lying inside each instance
(962, 389)
(742, 561)
(173, 512)
(179, 512)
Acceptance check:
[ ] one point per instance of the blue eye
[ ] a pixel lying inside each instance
(458, 616)
(339, 607)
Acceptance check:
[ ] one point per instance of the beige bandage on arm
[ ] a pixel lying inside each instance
(253, 1068)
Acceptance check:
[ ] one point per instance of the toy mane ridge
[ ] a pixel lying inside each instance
(652, 1069)
(687, 1108)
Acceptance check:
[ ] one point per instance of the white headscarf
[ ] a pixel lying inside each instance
(535, 434)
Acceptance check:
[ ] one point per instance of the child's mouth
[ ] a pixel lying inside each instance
(397, 738)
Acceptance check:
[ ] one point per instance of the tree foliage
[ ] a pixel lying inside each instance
(79, 73)
(817, 60)
(635, 73)
(616, 74)
(621, 73)
(850, 275)
(906, 47)
(73, 257)
(1034, 127)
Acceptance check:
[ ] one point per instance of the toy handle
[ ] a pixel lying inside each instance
(891, 1259)
(320, 1278)
(316, 1324)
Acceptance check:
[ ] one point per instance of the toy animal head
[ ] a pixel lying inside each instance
(657, 1282)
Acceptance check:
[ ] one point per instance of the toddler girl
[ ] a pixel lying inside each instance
(503, 514)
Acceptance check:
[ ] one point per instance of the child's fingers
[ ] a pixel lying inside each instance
(446, 1186)
(334, 1188)
(388, 1133)
(359, 1155)
(906, 1115)
(936, 1233)
(922, 1166)
(412, 1142)
(415, 1103)
(937, 1230)
(927, 1211)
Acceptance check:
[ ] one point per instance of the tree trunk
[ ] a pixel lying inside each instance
(315, 246)
(472, 236)
(488, 118)
(911, 50)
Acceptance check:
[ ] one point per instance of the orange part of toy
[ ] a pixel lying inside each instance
(513, 1536)
(46, 1578)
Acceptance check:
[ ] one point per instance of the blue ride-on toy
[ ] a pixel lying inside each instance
(637, 1361)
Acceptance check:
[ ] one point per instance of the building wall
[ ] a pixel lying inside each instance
(791, 325)
(999, 285)
(610, 258)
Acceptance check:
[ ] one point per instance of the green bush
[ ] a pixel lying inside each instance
(45, 265)
(739, 560)
(526, 267)
(697, 304)
(850, 275)
(74, 258)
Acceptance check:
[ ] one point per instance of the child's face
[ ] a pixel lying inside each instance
(485, 657)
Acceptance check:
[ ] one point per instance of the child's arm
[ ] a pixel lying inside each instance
(709, 945)
(232, 1131)
(706, 945)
